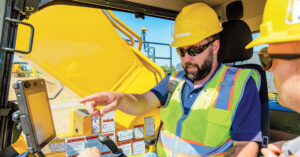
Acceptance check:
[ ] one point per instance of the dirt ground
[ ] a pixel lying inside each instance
(60, 106)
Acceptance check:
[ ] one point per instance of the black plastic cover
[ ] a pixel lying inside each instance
(234, 10)
(235, 36)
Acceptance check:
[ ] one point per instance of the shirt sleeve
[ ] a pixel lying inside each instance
(161, 90)
(291, 147)
(246, 125)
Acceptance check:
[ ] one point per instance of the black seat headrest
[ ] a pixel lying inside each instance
(234, 10)
(235, 36)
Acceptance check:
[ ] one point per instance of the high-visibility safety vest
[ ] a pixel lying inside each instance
(205, 130)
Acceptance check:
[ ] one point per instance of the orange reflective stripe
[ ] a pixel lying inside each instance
(217, 154)
(201, 144)
(219, 87)
(193, 142)
(232, 89)
(227, 140)
(174, 76)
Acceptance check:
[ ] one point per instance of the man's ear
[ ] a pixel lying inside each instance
(216, 46)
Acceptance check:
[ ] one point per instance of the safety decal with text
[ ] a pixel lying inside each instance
(126, 147)
(125, 135)
(138, 146)
(138, 131)
(108, 122)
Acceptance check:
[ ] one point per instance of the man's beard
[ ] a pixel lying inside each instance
(201, 72)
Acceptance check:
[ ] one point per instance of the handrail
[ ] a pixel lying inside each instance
(120, 29)
(30, 40)
(113, 16)
(154, 56)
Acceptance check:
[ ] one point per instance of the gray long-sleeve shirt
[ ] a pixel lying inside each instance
(291, 147)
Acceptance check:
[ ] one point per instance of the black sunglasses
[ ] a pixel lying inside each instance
(267, 59)
(193, 50)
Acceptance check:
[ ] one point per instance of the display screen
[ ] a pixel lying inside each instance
(40, 115)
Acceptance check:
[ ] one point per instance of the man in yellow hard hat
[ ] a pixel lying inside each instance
(214, 110)
(281, 30)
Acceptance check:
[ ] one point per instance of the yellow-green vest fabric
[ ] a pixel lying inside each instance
(205, 130)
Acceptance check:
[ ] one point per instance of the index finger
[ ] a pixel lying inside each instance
(91, 108)
(94, 97)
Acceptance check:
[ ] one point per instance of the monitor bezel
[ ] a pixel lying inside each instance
(27, 123)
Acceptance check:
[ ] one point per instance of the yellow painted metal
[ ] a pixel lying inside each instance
(112, 15)
(80, 47)
(272, 95)
(82, 123)
(17, 68)
(34, 72)
(20, 146)
(120, 29)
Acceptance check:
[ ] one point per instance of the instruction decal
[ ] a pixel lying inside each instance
(138, 146)
(108, 122)
(125, 135)
(139, 131)
(57, 145)
(126, 147)
(74, 146)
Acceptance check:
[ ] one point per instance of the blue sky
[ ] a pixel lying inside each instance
(159, 30)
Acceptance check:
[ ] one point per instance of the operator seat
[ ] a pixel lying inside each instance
(235, 36)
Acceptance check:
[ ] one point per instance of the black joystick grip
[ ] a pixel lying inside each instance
(116, 152)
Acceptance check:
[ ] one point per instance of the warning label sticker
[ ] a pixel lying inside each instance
(125, 135)
(74, 146)
(57, 145)
(126, 147)
(108, 122)
(138, 147)
(139, 131)
(92, 141)
(77, 144)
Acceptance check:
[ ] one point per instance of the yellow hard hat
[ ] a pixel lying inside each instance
(281, 23)
(194, 23)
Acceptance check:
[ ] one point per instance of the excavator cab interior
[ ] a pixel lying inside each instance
(78, 43)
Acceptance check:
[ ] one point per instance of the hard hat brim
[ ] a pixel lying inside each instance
(272, 39)
(258, 41)
(194, 39)
(184, 42)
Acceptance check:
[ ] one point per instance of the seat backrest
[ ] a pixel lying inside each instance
(235, 36)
